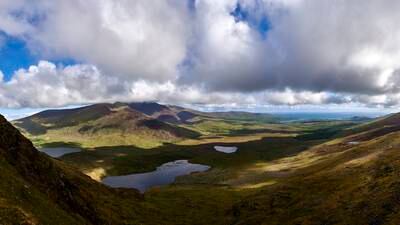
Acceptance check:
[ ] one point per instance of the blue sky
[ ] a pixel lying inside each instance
(13, 114)
(14, 55)
(255, 55)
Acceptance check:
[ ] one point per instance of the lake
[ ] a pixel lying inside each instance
(59, 151)
(164, 174)
(226, 149)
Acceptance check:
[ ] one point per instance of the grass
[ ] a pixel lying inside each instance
(258, 144)
(69, 135)
(331, 189)
(274, 178)
(22, 204)
(120, 160)
(215, 126)
(209, 128)
(302, 173)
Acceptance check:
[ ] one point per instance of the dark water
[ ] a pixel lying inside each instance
(59, 151)
(164, 174)
(226, 149)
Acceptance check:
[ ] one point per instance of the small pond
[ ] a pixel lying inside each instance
(59, 151)
(226, 149)
(164, 174)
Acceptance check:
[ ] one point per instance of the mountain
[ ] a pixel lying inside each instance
(35, 189)
(144, 124)
(50, 119)
(105, 124)
(170, 114)
(374, 128)
(181, 115)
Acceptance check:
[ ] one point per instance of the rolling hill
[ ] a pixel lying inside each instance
(353, 179)
(244, 116)
(103, 125)
(144, 124)
(373, 129)
(165, 113)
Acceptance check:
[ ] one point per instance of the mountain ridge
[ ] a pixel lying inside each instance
(116, 121)
(145, 124)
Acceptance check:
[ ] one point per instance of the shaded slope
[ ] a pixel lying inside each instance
(148, 108)
(108, 123)
(370, 130)
(126, 120)
(38, 190)
(169, 114)
(338, 183)
(392, 120)
(51, 119)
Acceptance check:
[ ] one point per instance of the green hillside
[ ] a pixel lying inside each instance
(101, 125)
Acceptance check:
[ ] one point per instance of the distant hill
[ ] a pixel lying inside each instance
(50, 119)
(180, 115)
(108, 124)
(374, 128)
(170, 114)
(144, 124)
(245, 116)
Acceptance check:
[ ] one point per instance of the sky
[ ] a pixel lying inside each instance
(257, 55)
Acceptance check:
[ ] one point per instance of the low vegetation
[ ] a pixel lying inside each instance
(319, 172)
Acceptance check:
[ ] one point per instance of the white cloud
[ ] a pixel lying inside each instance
(46, 85)
(316, 52)
(314, 45)
(131, 39)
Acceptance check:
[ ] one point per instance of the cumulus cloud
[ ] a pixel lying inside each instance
(225, 54)
(46, 85)
(205, 51)
(316, 45)
(134, 39)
